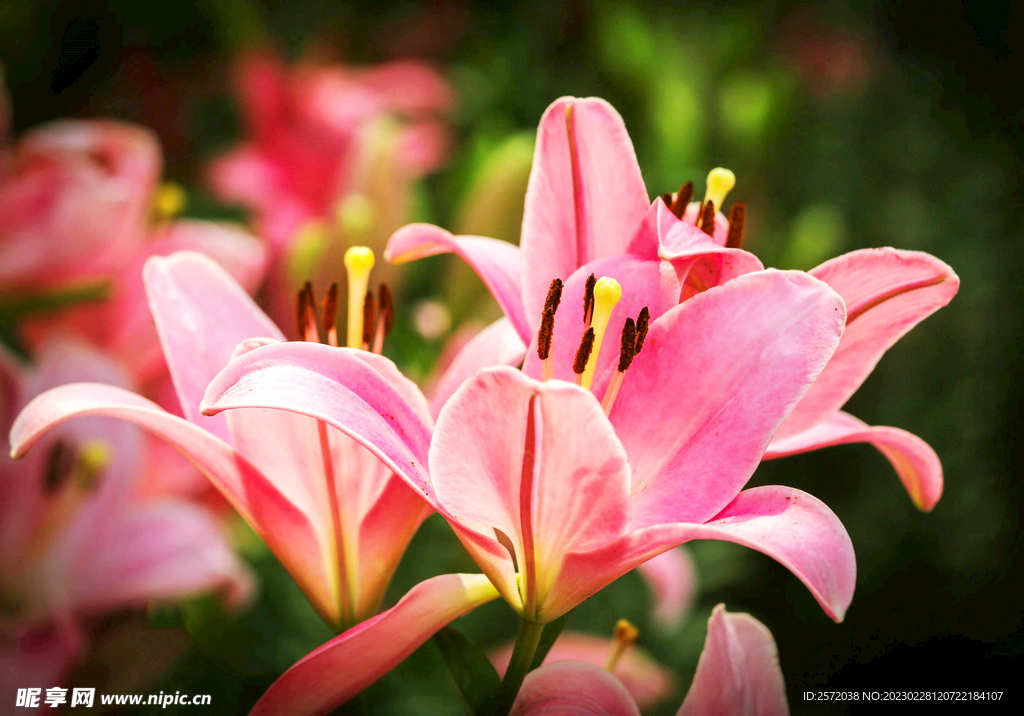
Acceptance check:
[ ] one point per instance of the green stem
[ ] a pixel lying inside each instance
(522, 659)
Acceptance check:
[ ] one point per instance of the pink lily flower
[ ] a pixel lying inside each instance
(74, 544)
(337, 518)
(738, 675)
(587, 211)
(329, 159)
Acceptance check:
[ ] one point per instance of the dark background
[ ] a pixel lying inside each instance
(849, 126)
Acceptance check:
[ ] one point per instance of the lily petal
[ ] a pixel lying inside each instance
(721, 372)
(573, 688)
(498, 344)
(286, 530)
(699, 260)
(585, 198)
(794, 528)
(344, 666)
(738, 672)
(201, 315)
(915, 462)
(497, 263)
(537, 461)
(887, 292)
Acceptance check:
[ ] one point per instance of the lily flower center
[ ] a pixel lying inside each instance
(719, 183)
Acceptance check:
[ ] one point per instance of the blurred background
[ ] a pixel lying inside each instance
(848, 125)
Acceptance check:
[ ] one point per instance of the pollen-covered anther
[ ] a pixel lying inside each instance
(627, 351)
(306, 315)
(588, 299)
(554, 296)
(579, 365)
(60, 465)
(737, 218)
(682, 200)
(369, 318)
(544, 337)
(328, 318)
(358, 264)
(624, 638)
(643, 323)
(607, 293)
(707, 219)
(385, 317)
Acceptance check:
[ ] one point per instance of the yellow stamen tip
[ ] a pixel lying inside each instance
(625, 637)
(169, 200)
(720, 183)
(93, 458)
(607, 290)
(359, 259)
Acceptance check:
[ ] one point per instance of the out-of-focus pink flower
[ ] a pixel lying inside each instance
(74, 543)
(738, 675)
(329, 157)
(647, 681)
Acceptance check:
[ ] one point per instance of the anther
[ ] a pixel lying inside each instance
(720, 183)
(60, 465)
(588, 299)
(358, 263)
(707, 219)
(607, 293)
(554, 296)
(330, 314)
(682, 200)
(643, 322)
(624, 638)
(369, 320)
(385, 317)
(737, 218)
(579, 365)
(544, 337)
(307, 314)
(627, 351)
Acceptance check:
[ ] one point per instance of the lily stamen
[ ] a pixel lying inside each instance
(60, 465)
(607, 293)
(624, 638)
(627, 350)
(706, 221)
(737, 218)
(385, 317)
(682, 200)
(369, 320)
(588, 299)
(307, 314)
(545, 334)
(579, 365)
(643, 322)
(358, 263)
(329, 316)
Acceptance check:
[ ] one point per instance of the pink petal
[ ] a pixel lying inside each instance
(408, 86)
(738, 673)
(344, 666)
(570, 219)
(334, 385)
(673, 582)
(163, 551)
(645, 283)
(698, 259)
(498, 344)
(537, 461)
(647, 681)
(790, 526)
(286, 530)
(916, 464)
(887, 292)
(720, 371)
(573, 688)
(39, 656)
(497, 263)
(201, 315)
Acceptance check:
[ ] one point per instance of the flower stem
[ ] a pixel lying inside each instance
(522, 658)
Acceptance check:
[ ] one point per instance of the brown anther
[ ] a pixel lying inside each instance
(545, 334)
(707, 219)
(682, 200)
(369, 317)
(643, 322)
(328, 319)
(588, 298)
(583, 352)
(554, 295)
(385, 308)
(737, 218)
(667, 198)
(307, 314)
(60, 465)
(627, 346)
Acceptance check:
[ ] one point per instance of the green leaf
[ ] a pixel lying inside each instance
(473, 672)
(552, 630)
